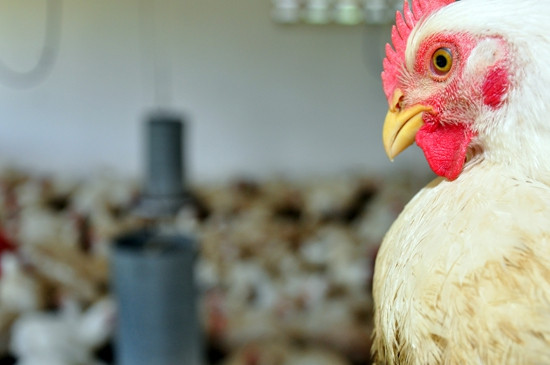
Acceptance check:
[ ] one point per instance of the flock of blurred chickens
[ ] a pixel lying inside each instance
(284, 269)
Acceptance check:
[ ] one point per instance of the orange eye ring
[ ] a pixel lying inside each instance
(442, 61)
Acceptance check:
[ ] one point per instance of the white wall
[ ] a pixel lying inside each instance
(262, 98)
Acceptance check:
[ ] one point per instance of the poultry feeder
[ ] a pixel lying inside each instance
(152, 272)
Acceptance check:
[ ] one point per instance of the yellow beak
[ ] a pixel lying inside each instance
(401, 125)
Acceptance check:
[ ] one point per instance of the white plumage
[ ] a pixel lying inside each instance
(66, 338)
(463, 275)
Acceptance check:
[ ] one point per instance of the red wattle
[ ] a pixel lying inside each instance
(445, 147)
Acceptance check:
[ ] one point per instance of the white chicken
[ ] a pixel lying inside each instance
(66, 338)
(463, 274)
(20, 291)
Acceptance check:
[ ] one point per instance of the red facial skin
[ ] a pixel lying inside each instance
(456, 102)
(495, 86)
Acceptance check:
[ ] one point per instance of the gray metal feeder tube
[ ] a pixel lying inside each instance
(154, 286)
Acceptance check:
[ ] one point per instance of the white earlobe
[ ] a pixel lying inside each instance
(487, 52)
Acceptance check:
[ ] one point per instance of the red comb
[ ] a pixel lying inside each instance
(5, 246)
(404, 24)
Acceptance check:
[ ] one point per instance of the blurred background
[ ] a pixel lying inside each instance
(288, 190)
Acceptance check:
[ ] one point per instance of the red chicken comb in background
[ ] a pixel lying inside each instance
(6, 245)
(404, 24)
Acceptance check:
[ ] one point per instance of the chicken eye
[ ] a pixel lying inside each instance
(442, 61)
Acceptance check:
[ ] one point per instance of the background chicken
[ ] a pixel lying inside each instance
(463, 275)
